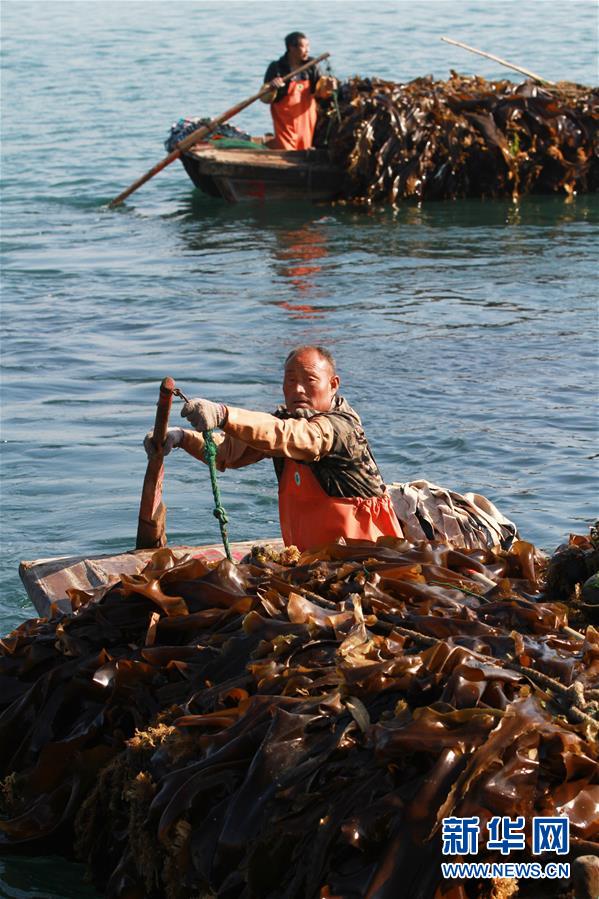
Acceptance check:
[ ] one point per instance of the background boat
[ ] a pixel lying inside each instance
(259, 173)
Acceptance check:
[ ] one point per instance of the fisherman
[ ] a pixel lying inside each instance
(293, 103)
(329, 483)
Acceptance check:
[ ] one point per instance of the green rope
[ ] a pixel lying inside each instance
(334, 94)
(336, 105)
(219, 510)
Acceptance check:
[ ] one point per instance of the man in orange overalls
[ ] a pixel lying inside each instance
(329, 483)
(293, 103)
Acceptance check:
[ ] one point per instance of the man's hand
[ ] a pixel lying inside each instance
(174, 436)
(325, 86)
(204, 415)
(274, 86)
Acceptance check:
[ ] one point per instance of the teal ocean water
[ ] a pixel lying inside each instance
(465, 332)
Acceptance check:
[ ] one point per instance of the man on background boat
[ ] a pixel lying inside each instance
(293, 103)
(329, 483)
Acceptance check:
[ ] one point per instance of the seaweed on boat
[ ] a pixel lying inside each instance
(299, 727)
(463, 137)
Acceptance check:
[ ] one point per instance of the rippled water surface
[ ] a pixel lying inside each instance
(465, 332)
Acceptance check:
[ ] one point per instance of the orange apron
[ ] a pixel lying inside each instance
(294, 117)
(310, 518)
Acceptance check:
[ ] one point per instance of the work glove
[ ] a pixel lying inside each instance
(204, 415)
(271, 96)
(174, 436)
(325, 86)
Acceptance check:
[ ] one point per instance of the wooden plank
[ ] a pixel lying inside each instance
(209, 164)
(216, 169)
(277, 159)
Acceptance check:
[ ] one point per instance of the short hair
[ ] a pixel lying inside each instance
(321, 350)
(293, 39)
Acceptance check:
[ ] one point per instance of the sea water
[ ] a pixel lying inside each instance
(464, 331)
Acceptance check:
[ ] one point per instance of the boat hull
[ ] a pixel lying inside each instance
(238, 175)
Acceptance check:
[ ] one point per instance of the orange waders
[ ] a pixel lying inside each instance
(309, 517)
(294, 117)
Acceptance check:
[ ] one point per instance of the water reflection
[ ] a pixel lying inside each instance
(298, 255)
(536, 210)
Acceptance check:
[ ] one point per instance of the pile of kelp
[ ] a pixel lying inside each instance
(300, 727)
(464, 137)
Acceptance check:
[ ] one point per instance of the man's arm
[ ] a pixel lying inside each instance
(273, 78)
(305, 440)
(230, 453)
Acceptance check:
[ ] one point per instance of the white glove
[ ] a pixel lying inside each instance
(204, 415)
(174, 436)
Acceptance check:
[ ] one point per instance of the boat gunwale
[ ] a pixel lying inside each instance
(314, 157)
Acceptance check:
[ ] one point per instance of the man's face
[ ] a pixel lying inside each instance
(309, 382)
(302, 51)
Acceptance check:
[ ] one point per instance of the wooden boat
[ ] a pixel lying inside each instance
(259, 173)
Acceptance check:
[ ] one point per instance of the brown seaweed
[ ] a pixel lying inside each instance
(280, 729)
(464, 137)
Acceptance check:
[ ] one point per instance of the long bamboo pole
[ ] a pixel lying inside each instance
(202, 132)
(498, 59)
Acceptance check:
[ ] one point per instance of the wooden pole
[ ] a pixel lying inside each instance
(202, 132)
(502, 62)
(151, 526)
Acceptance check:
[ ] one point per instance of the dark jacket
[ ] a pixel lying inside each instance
(349, 469)
(281, 67)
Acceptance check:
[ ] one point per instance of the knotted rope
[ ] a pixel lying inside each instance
(210, 456)
(219, 510)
